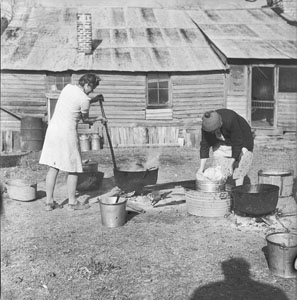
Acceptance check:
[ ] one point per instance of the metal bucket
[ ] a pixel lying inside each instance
(282, 251)
(113, 214)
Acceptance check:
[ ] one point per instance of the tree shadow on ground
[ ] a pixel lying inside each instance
(237, 285)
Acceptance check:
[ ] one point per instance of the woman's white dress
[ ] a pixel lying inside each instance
(61, 148)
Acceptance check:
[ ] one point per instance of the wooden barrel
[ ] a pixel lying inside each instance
(283, 179)
(32, 134)
(205, 204)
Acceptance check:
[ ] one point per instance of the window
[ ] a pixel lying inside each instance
(237, 79)
(158, 91)
(287, 80)
(57, 81)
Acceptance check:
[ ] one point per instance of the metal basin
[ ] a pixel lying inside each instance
(209, 186)
(21, 190)
(130, 181)
(255, 200)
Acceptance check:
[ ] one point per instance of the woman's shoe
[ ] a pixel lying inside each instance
(52, 206)
(78, 206)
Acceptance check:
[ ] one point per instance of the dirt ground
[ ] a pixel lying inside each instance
(164, 253)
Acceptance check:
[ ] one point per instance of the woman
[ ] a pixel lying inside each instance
(231, 139)
(61, 150)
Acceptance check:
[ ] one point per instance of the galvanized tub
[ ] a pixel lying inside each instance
(205, 204)
(21, 190)
(282, 251)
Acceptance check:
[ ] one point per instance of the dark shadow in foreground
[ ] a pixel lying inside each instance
(237, 285)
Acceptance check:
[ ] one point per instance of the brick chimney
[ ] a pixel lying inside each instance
(288, 7)
(84, 33)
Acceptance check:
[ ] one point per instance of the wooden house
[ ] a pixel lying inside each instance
(260, 48)
(158, 72)
(161, 67)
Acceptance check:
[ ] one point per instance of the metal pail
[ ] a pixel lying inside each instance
(282, 252)
(113, 214)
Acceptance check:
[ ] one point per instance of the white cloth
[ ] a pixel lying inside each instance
(222, 155)
(61, 148)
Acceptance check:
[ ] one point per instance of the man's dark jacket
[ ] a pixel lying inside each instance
(236, 131)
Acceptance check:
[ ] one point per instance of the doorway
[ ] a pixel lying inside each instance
(263, 103)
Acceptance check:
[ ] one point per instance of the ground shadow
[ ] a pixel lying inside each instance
(131, 214)
(237, 284)
(40, 194)
(265, 252)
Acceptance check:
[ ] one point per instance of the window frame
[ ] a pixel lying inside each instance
(169, 89)
(52, 83)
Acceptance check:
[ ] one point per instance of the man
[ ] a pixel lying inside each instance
(232, 142)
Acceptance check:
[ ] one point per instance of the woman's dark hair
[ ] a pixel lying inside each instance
(91, 79)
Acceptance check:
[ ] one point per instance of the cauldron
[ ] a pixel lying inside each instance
(130, 181)
(255, 200)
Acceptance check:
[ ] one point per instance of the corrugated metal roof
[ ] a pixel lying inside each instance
(129, 39)
(249, 34)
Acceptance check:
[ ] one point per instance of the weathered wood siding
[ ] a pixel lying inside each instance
(192, 95)
(124, 98)
(10, 130)
(23, 93)
(287, 111)
(9, 122)
(125, 104)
